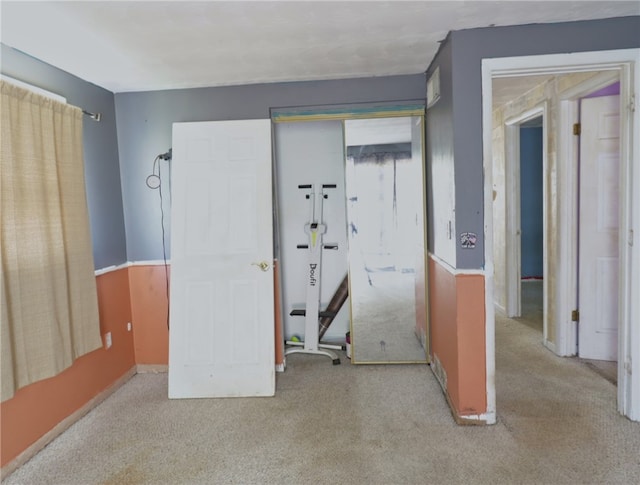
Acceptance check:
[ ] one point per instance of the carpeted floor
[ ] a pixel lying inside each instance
(557, 424)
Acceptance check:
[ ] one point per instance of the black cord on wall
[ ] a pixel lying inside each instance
(164, 247)
(155, 182)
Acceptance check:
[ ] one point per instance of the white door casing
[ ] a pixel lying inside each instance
(513, 230)
(221, 338)
(599, 226)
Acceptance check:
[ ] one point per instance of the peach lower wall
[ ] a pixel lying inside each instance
(472, 349)
(149, 305)
(457, 321)
(148, 285)
(38, 408)
(442, 320)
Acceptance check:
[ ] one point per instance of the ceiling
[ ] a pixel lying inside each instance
(148, 45)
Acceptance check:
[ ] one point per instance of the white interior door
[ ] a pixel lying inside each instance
(221, 338)
(599, 203)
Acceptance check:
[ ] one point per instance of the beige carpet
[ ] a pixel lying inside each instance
(357, 425)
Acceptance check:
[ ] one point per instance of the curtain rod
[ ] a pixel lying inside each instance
(93, 116)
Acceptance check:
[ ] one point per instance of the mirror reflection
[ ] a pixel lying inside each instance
(385, 217)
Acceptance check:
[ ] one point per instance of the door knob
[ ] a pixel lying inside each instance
(263, 265)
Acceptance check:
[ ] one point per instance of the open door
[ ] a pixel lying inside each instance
(599, 227)
(222, 303)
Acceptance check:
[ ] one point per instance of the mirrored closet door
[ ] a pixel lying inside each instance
(386, 236)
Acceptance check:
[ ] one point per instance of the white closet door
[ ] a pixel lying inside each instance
(221, 338)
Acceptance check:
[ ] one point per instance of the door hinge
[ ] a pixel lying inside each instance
(576, 128)
(632, 103)
(575, 315)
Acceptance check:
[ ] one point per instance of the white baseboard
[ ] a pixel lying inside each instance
(163, 369)
(63, 425)
(128, 264)
(152, 368)
(550, 345)
(439, 372)
(482, 419)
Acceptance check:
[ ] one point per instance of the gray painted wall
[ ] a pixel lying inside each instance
(144, 123)
(102, 171)
(469, 47)
(439, 156)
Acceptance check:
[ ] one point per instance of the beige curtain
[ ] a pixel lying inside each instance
(49, 312)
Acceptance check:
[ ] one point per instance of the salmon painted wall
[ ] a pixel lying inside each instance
(457, 321)
(38, 408)
(149, 306)
(472, 377)
(442, 319)
(148, 286)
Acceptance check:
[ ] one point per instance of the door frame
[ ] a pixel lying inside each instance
(342, 113)
(626, 63)
(513, 216)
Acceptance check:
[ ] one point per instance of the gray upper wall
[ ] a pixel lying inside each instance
(102, 171)
(469, 47)
(144, 123)
(440, 168)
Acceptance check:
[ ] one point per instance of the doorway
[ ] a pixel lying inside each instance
(529, 225)
(525, 170)
(563, 250)
(532, 222)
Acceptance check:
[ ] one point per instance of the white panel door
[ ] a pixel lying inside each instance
(221, 337)
(599, 203)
